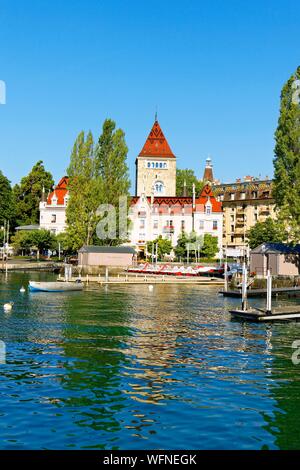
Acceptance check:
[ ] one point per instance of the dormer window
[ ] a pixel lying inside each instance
(208, 209)
(54, 201)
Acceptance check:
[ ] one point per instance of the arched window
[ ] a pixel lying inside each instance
(159, 188)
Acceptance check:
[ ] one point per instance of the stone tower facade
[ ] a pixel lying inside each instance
(156, 166)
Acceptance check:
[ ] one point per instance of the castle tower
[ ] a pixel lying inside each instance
(156, 166)
(208, 176)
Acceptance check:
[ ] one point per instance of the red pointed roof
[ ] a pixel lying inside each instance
(207, 194)
(60, 191)
(156, 144)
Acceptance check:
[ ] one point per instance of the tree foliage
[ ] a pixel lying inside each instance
(34, 239)
(272, 231)
(164, 247)
(287, 157)
(111, 166)
(189, 177)
(84, 187)
(28, 194)
(192, 243)
(97, 175)
(6, 202)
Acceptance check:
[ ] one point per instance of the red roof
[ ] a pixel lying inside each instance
(60, 191)
(207, 194)
(176, 202)
(156, 144)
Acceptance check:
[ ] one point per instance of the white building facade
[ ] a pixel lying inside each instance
(155, 210)
(53, 208)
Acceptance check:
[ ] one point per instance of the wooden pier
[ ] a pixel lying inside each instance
(289, 291)
(269, 314)
(146, 280)
(291, 312)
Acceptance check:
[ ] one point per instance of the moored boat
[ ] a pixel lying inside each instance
(55, 286)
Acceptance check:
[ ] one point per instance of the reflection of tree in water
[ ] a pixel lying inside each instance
(284, 424)
(94, 332)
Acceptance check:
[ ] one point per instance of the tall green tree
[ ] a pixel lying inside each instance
(272, 231)
(287, 157)
(189, 178)
(111, 167)
(6, 203)
(29, 192)
(85, 193)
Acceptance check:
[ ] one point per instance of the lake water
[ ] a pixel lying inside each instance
(121, 367)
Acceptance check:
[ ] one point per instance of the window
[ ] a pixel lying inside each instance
(155, 224)
(232, 196)
(182, 225)
(165, 165)
(53, 219)
(215, 225)
(201, 225)
(160, 165)
(142, 223)
(159, 188)
(156, 165)
(243, 195)
(149, 164)
(232, 218)
(208, 210)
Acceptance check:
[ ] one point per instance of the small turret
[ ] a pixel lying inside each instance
(208, 176)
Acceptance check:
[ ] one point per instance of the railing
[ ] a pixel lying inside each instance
(168, 229)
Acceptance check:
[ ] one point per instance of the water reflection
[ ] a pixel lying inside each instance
(122, 367)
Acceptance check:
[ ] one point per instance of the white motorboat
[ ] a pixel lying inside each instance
(59, 286)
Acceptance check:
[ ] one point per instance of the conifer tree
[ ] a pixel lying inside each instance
(287, 157)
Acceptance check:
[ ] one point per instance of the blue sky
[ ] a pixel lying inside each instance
(213, 68)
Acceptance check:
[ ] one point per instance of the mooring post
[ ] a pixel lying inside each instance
(106, 274)
(244, 288)
(225, 277)
(269, 292)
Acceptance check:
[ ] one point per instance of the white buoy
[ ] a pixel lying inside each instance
(8, 306)
(150, 288)
(22, 289)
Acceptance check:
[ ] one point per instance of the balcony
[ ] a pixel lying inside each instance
(168, 229)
